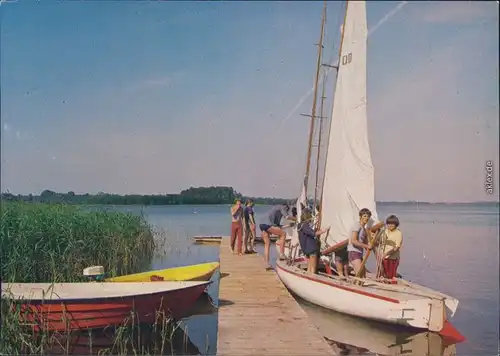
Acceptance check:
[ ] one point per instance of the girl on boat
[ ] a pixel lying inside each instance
(390, 245)
(308, 240)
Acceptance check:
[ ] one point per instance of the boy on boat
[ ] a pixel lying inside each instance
(236, 226)
(308, 240)
(390, 245)
(358, 241)
(274, 227)
(249, 219)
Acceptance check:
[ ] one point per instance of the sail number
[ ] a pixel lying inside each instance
(347, 58)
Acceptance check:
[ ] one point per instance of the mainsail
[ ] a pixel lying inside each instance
(348, 182)
(302, 200)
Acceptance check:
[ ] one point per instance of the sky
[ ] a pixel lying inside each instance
(155, 97)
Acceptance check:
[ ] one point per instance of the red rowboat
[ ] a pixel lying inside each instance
(75, 306)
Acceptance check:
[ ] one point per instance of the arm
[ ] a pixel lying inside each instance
(398, 241)
(234, 209)
(355, 242)
(252, 218)
(377, 227)
(321, 232)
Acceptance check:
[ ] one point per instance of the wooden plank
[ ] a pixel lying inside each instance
(257, 314)
(218, 239)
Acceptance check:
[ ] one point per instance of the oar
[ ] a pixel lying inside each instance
(365, 259)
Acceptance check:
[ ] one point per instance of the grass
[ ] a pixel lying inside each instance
(54, 243)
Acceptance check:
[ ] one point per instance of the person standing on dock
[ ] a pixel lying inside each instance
(274, 227)
(249, 219)
(237, 226)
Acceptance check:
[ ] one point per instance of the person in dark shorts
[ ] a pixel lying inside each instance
(273, 226)
(249, 227)
(342, 262)
(358, 242)
(308, 240)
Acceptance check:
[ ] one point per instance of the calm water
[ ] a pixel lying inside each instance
(451, 248)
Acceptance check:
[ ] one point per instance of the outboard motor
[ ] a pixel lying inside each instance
(95, 273)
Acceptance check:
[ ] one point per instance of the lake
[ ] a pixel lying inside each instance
(451, 248)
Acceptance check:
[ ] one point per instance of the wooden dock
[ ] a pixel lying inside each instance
(257, 314)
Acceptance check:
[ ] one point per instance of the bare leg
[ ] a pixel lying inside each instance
(252, 238)
(356, 265)
(340, 268)
(267, 245)
(282, 235)
(313, 260)
(246, 231)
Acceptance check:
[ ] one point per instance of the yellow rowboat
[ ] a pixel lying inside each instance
(199, 272)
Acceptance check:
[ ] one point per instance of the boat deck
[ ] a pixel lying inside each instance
(257, 314)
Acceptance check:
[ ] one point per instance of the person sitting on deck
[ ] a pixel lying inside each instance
(307, 239)
(359, 240)
(390, 245)
(273, 227)
(236, 226)
(249, 218)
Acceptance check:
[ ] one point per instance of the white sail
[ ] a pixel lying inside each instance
(302, 199)
(349, 177)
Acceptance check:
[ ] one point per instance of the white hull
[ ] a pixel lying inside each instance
(403, 304)
(342, 330)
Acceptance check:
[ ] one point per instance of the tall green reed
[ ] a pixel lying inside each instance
(54, 243)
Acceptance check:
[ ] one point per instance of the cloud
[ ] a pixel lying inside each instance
(455, 12)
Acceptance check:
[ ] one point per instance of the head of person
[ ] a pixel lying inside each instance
(249, 202)
(286, 207)
(237, 202)
(364, 216)
(392, 222)
(306, 216)
(294, 212)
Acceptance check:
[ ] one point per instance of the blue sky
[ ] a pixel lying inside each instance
(151, 97)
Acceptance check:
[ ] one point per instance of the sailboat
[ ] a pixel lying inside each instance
(348, 186)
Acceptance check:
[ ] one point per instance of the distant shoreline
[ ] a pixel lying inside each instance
(191, 196)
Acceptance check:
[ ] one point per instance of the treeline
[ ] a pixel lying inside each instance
(200, 195)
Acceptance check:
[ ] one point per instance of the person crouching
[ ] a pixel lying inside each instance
(307, 240)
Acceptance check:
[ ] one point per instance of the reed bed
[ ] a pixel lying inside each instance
(54, 243)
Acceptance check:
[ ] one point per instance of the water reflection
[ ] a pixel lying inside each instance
(142, 339)
(349, 335)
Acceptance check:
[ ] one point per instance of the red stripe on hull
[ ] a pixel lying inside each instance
(367, 294)
(79, 314)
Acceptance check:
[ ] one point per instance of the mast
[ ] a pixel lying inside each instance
(319, 143)
(336, 79)
(315, 95)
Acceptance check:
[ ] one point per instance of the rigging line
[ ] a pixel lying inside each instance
(382, 21)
